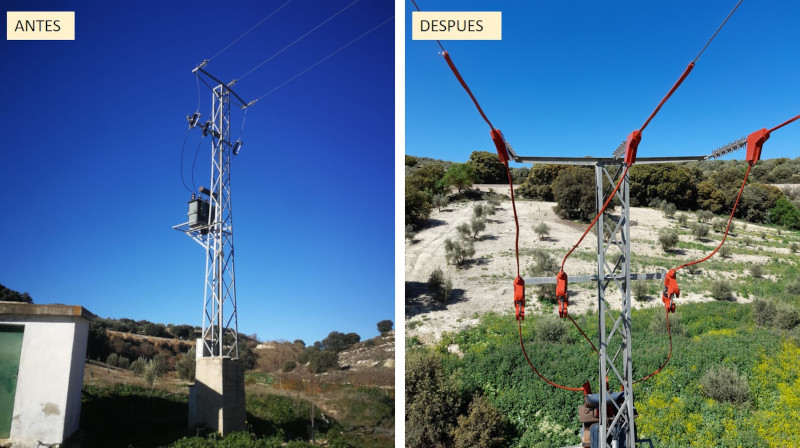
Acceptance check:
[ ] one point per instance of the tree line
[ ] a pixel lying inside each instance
(707, 185)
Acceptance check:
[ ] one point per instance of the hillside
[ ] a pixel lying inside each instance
(485, 282)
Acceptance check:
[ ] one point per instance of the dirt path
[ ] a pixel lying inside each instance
(485, 283)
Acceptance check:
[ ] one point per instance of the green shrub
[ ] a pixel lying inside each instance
(543, 265)
(304, 356)
(112, 360)
(482, 427)
(138, 366)
(764, 312)
(699, 230)
(640, 289)
(478, 211)
(658, 325)
(725, 251)
(440, 286)
(323, 360)
(693, 269)
(439, 201)
(124, 363)
(668, 238)
(542, 229)
(721, 289)
(185, 367)
(747, 241)
(410, 232)
(289, 365)
(718, 225)
(464, 230)
(683, 219)
(794, 247)
(668, 209)
(551, 329)
(756, 271)
(432, 401)
(476, 226)
(793, 288)
(787, 317)
(762, 235)
(385, 326)
(458, 252)
(704, 216)
(725, 384)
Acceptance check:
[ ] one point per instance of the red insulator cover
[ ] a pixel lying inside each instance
(519, 298)
(500, 145)
(631, 146)
(561, 293)
(754, 143)
(671, 290)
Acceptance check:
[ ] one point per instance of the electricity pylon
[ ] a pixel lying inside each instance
(211, 225)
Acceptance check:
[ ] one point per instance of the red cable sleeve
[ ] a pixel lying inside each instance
(783, 124)
(602, 210)
(669, 332)
(727, 229)
(464, 85)
(576, 389)
(669, 94)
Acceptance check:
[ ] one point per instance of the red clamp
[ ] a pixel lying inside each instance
(671, 290)
(754, 143)
(519, 298)
(631, 146)
(561, 293)
(500, 144)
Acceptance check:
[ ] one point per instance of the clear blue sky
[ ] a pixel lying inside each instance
(574, 78)
(91, 154)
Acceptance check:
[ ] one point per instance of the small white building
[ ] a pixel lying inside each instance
(42, 357)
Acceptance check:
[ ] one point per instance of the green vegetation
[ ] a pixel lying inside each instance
(385, 326)
(728, 383)
(440, 286)
(668, 239)
(9, 295)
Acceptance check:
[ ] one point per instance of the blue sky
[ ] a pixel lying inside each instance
(91, 162)
(574, 78)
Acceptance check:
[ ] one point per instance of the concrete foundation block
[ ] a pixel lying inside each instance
(217, 400)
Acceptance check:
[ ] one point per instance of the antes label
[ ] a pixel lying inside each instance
(40, 25)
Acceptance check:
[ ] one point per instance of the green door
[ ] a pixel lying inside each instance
(10, 347)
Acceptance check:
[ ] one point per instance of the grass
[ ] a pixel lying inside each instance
(124, 415)
(672, 410)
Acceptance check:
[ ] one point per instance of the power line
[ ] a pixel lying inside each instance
(196, 152)
(324, 59)
(298, 39)
(251, 29)
(718, 30)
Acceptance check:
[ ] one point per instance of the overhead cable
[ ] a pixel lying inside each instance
(323, 59)
(297, 40)
(251, 29)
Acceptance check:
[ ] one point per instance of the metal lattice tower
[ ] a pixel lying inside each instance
(613, 265)
(211, 225)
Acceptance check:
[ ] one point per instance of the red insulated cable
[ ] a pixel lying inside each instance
(669, 332)
(669, 94)
(727, 229)
(514, 207)
(464, 84)
(584, 334)
(784, 124)
(603, 209)
(576, 389)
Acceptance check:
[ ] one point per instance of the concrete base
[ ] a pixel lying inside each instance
(216, 400)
